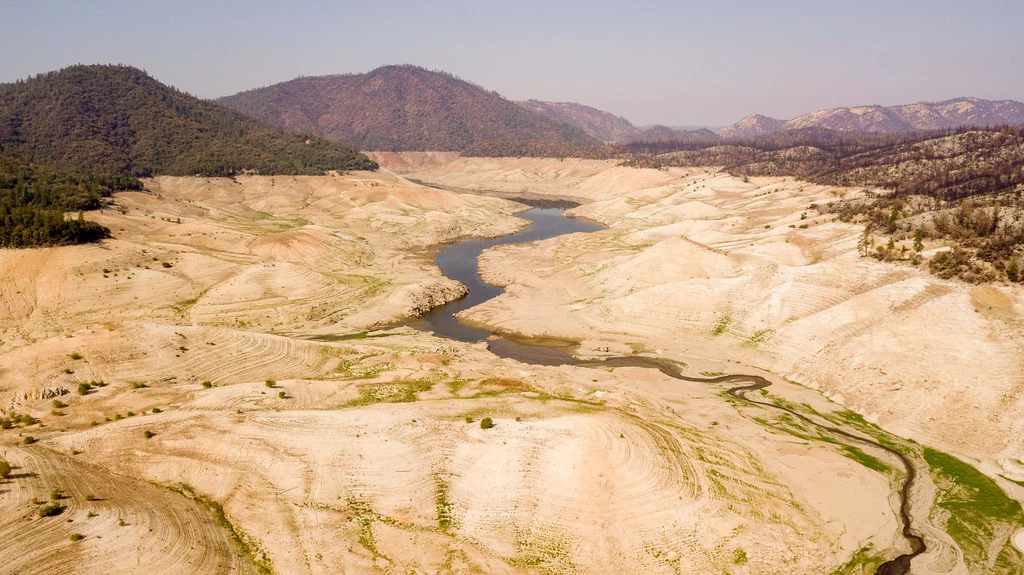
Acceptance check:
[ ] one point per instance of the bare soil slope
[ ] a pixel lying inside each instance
(238, 403)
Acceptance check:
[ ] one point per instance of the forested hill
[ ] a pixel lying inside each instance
(70, 137)
(396, 108)
(119, 120)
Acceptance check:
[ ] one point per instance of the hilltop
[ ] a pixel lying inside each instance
(70, 137)
(119, 120)
(396, 108)
(599, 124)
(889, 119)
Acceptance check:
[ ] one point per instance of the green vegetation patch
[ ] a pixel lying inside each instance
(391, 392)
(245, 544)
(445, 509)
(863, 562)
(34, 199)
(982, 518)
(760, 336)
(721, 325)
(349, 336)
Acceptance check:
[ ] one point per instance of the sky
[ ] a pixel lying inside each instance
(697, 62)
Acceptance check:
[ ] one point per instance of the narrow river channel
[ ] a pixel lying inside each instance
(459, 261)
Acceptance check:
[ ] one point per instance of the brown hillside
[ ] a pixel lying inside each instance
(398, 108)
(602, 125)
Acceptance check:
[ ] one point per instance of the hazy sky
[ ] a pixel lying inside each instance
(684, 62)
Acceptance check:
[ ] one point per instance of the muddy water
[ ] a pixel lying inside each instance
(459, 262)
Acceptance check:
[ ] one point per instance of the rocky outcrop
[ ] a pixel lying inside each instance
(419, 298)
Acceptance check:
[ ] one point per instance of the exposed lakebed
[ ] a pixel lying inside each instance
(459, 261)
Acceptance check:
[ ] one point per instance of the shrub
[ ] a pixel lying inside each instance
(91, 497)
(68, 370)
(131, 413)
(138, 385)
(51, 510)
(148, 434)
(207, 384)
(486, 423)
(58, 404)
(77, 536)
(75, 356)
(5, 469)
(166, 264)
(29, 440)
(84, 388)
(469, 419)
(157, 410)
(281, 394)
(28, 419)
(91, 514)
(270, 383)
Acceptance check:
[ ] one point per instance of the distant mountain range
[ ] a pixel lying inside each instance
(396, 108)
(408, 108)
(875, 119)
(890, 119)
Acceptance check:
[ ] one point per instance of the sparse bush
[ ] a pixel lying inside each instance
(84, 388)
(166, 264)
(68, 370)
(207, 384)
(51, 510)
(138, 385)
(157, 410)
(77, 536)
(91, 497)
(469, 419)
(270, 383)
(739, 557)
(29, 440)
(58, 404)
(486, 423)
(56, 412)
(148, 434)
(27, 419)
(131, 413)
(91, 514)
(281, 394)
(75, 356)
(5, 469)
